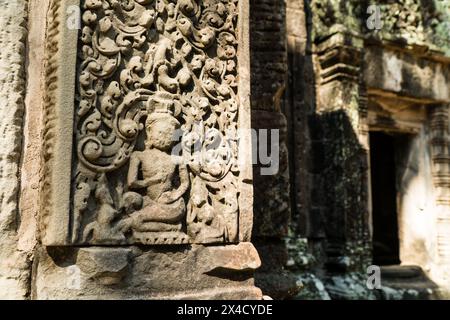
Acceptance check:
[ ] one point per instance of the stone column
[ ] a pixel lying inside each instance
(15, 265)
(300, 101)
(152, 198)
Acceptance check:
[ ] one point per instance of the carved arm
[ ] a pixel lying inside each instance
(172, 196)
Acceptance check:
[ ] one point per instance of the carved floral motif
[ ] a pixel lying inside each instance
(155, 77)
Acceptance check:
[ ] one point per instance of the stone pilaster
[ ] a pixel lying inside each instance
(14, 263)
(146, 189)
(300, 101)
(440, 156)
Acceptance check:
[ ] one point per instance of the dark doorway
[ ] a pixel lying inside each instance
(384, 199)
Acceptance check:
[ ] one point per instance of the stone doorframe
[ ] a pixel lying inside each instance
(398, 81)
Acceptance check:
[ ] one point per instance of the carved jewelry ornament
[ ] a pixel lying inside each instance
(156, 121)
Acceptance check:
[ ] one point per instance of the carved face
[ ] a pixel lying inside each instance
(160, 134)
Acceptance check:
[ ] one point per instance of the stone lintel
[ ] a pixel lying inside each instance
(398, 74)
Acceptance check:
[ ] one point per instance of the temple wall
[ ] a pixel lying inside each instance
(79, 104)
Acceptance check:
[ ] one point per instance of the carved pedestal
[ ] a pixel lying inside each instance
(147, 143)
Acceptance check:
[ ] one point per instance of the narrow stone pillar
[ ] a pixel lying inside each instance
(15, 266)
(147, 175)
(440, 157)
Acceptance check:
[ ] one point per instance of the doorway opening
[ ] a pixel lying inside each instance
(386, 244)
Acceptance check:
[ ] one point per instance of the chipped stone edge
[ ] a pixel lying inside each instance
(60, 75)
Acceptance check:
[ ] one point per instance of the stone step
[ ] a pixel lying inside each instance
(407, 282)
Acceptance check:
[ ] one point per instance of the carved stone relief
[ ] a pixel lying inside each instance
(160, 98)
(156, 123)
(440, 156)
(417, 22)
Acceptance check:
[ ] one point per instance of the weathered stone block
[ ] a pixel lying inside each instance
(183, 272)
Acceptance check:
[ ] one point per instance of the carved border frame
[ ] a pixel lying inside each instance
(59, 97)
(57, 155)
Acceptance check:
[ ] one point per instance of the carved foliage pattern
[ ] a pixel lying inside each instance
(144, 62)
(415, 21)
(420, 22)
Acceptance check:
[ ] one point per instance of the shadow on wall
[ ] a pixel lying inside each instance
(340, 167)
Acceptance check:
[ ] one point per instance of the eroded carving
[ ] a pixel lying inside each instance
(156, 123)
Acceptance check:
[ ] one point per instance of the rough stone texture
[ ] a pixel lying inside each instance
(415, 23)
(299, 106)
(268, 53)
(409, 94)
(32, 146)
(349, 286)
(186, 272)
(312, 288)
(14, 263)
(406, 283)
(268, 69)
(329, 164)
(272, 216)
(273, 277)
(57, 135)
(439, 129)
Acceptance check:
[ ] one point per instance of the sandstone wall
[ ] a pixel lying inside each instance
(14, 261)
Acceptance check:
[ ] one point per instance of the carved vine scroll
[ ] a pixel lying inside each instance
(156, 123)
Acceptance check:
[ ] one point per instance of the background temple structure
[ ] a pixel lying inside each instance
(349, 99)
